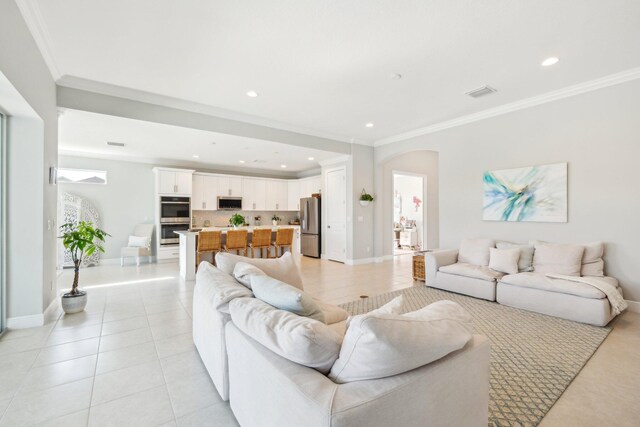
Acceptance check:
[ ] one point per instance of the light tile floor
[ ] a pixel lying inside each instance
(129, 360)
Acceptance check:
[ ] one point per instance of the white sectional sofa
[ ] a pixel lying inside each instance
(280, 369)
(467, 271)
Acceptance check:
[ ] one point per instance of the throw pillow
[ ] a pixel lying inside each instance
(139, 242)
(475, 251)
(592, 262)
(504, 260)
(395, 306)
(299, 339)
(283, 268)
(243, 272)
(525, 263)
(557, 258)
(219, 287)
(390, 344)
(285, 297)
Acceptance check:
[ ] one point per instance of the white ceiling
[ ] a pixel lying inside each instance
(84, 133)
(325, 64)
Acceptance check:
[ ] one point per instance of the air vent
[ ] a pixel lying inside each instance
(481, 91)
(115, 144)
(259, 161)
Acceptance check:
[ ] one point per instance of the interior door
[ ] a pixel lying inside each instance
(336, 225)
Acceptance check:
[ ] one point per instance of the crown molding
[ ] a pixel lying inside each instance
(35, 23)
(591, 85)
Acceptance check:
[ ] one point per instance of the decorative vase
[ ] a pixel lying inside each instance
(274, 222)
(74, 303)
(364, 202)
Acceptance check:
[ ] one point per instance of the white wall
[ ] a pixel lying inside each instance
(126, 200)
(597, 133)
(32, 149)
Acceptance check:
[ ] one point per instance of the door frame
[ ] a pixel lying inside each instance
(3, 221)
(424, 177)
(325, 206)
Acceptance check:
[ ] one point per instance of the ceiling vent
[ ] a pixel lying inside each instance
(481, 91)
(115, 144)
(259, 161)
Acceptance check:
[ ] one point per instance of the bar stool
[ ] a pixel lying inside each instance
(208, 242)
(236, 241)
(284, 239)
(261, 239)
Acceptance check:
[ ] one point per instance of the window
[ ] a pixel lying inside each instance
(81, 176)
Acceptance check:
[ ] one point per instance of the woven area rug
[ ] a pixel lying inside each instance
(533, 357)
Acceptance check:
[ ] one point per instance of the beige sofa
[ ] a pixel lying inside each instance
(529, 290)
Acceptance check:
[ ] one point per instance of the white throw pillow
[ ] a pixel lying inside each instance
(285, 297)
(525, 263)
(243, 272)
(504, 260)
(299, 339)
(139, 242)
(283, 268)
(558, 258)
(395, 306)
(390, 344)
(592, 262)
(223, 287)
(475, 251)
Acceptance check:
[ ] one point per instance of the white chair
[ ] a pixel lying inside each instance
(141, 230)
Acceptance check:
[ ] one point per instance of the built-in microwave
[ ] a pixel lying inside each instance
(229, 203)
(175, 210)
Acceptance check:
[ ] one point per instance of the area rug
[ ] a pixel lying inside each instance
(534, 357)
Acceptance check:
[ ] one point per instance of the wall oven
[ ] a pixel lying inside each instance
(175, 210)
(168, 237)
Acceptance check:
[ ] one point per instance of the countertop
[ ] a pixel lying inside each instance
(224, 230)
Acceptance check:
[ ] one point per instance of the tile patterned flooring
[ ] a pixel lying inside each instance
(129, 360)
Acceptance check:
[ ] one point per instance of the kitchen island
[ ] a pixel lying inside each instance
(188, 242)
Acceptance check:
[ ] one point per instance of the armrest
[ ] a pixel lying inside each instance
(434, 260)
(452, 391)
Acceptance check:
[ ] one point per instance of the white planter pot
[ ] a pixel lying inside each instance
(364, 202)
(74, 303)
(274, 222)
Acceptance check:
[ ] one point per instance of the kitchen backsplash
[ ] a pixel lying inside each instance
(221, 218)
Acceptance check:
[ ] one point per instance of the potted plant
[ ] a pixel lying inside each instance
(236, 220)
(365, 198)
(81, 240)
(275, 219)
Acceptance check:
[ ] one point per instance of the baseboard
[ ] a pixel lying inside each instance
(383, 258)
(634, 306)
(22, 322)
(359, 261)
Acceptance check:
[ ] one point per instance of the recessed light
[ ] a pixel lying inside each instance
(311, 158)
(252, 94)
(550, 61)
(395, 76)
(196, 156)
(369, 125)
(241, 161)
(283, 166)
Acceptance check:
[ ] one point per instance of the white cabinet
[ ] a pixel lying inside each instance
(293, 195)
(174, 181)
(277, 199)
(205, 193)
(309, 186)
(254, 194)
(229, 186)
(409, 238)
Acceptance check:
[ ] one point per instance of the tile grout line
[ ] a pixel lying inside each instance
(95, 368)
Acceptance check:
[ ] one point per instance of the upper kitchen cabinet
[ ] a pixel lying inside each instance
(174, 181)
(254, 194)
(277, 199)
(293, 195)
(229, 186)
(205, 193)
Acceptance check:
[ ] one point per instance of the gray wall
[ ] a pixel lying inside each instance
(32, 149)
(597, 133)
(360, 240)
(126, 200)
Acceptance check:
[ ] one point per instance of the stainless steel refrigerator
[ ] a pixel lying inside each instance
(310, 226)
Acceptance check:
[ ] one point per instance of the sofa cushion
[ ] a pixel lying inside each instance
(475, 251)
(471, 270)
(283, 268)
(243, 272)
(525, 263)
(223, 287)
(504, 260)
(383, 345)
(332, 313)
(540, 281)
(285, 297)
(592, 262)
(557, 258)
(299, 339)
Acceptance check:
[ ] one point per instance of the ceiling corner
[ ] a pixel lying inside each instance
(33, 18)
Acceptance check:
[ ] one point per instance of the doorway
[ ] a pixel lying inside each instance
(336, 213)
(409, 224)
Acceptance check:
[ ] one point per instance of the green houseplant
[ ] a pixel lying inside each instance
(365, 198)
(81, 240)
(236, 220)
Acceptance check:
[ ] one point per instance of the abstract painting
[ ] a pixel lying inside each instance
(535, 193)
